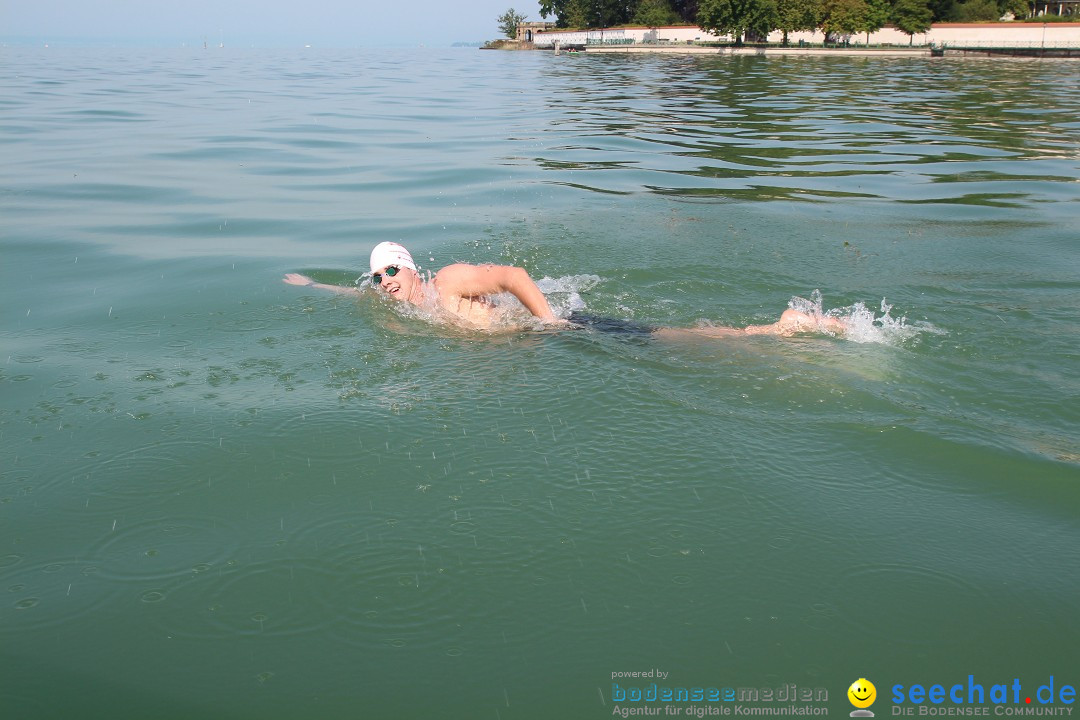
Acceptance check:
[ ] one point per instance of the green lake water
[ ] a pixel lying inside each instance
(222, 496)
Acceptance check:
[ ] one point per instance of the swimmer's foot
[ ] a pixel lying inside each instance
(793, 322)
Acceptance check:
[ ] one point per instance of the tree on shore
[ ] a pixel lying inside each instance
(912, 17)
(686, 10)
(843, 17)
(509, 21)
(576, 14)
(605, 13)
(556, 8)
(988, 10)
(745, 18)
(878, 13)
(588, 13)
(737, 17)
(795, 15)
(655, 13)
(1017, 8)
(976, 11)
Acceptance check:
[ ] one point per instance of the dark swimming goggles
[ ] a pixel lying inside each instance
(391, 271)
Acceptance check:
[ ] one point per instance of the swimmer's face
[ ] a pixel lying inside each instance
(401, 285)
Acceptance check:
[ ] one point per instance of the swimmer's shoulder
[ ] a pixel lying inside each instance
(464, 279)
(457, 272)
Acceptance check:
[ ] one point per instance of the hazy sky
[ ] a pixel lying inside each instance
(241, 23)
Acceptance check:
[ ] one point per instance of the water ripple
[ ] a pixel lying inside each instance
(161, 547)
(53, 594)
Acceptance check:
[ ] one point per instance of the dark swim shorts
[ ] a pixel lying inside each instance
(615, 326)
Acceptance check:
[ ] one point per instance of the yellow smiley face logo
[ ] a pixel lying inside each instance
(862, 693)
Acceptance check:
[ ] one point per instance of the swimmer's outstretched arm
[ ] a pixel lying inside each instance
(305, 281)
(791, 322)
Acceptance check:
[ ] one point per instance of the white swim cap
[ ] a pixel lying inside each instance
(390, 253)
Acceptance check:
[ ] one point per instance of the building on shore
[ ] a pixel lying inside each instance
(526, 31)
(1063, 7)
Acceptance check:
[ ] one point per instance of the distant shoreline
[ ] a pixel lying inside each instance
(760, 50)
(780, 50)
(1027, 39)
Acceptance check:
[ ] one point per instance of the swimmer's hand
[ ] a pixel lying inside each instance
(553, 325)
(298, 279)
(304, 280)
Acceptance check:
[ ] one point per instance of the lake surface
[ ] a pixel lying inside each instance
(222, 496)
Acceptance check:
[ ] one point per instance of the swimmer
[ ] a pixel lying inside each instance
(463, 292)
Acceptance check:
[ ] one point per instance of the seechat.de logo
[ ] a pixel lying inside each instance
(862, 695)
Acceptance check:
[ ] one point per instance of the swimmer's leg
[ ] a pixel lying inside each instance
(716, 331)
(790, 323)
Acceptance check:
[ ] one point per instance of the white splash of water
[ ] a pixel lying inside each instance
(862, 325)
(564, 293)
